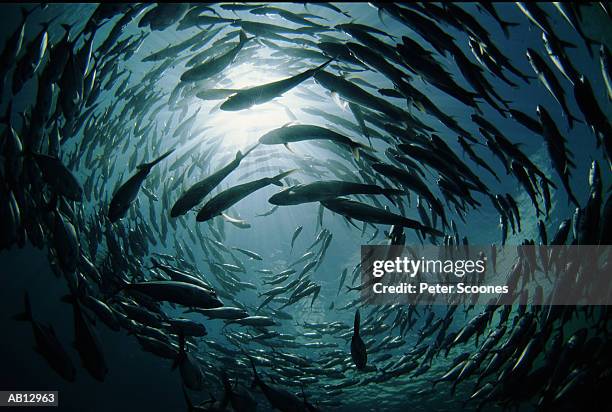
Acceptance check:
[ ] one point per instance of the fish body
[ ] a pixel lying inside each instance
(231, 196)
(359, 352)
(194, 195)
(128, 191)
(303, 132)
(261, 94)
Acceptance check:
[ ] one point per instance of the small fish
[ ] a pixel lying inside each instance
(358, 349)
(249, 253)
(295, 235)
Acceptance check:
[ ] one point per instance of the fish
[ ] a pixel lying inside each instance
(249, 97)
(558, 57)
(560, 157)
(366, 213)
(126, 193)
(303, 132)
(48, 344)
(181, 293)
(231, 196)
(87, 342)
(269, 212)
(59, 177)
(249, 253)
(295, 235)
(279, 398)
(594, 116)
(570, 16)
(13, 44)
(196, 193)
(490, 9)
(606, 73)
(317, 191)
(550, 82)
(191, 373)
(359, 352)
(224, 312)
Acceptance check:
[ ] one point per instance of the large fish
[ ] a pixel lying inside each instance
(228, 198)
(317, 191)
(59, 177)
(48, 345)
(304, 132)
(261, 94)
(194, 195)
(360, 211)
(127, 192)
(279, 398)
(181, 293)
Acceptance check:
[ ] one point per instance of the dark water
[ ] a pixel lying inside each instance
(137, 380)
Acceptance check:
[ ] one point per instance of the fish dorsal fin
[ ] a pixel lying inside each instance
(289, 123)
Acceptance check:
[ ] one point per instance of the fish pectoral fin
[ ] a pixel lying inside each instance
(228, 217)
(288, 148)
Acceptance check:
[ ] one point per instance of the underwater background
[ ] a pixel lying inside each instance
(133, 120)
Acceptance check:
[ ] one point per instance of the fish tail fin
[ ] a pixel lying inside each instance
(181, 351)
(68, 298)
(276, 180)
(156, 161)
(250, 150)
(565, 43)
(243, 36)
(26, 315)
(66, 27)
(155, 263)
(324, 65)
(25, 13)
(571, 119)
(589, 43)
(256, 379)
(389, 198)
(392, 192)
(226, 383)
(356, 322)
(505, 25)
(355, 146)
